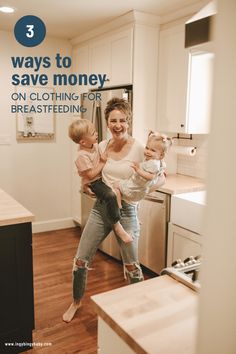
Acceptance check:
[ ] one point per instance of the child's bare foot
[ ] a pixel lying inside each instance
(118, 195)
(121, 233)
(69, 314)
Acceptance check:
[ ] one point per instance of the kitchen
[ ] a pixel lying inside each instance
(51, 203)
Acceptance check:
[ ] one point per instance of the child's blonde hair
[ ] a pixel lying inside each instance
(162, 140)
(78, 129)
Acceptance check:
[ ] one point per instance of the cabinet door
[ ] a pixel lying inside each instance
(112, 55)
(172, 80)
(100, 59)
(182, 243)
(16, 279)
(109, 341)
(81, 65)
(121, 58)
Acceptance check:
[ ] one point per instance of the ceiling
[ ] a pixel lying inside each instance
(71, 18)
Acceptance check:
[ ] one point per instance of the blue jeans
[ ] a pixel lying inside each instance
(105, 193)
(96, 230)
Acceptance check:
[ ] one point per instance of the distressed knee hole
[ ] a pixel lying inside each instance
(79, 263)
(131, 267)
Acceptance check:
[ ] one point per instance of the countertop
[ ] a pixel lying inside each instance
(157, 316)
(176, 184)
(12, 212)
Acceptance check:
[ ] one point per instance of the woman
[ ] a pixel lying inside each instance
(121, 150)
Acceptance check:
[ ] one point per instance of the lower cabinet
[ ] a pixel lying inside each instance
(16, 294)
(182, 243)
(109, 341)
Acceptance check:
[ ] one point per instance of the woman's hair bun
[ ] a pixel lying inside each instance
(120, 104)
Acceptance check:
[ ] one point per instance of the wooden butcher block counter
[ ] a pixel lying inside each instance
(157, 316)
(177, 183)
(11, 212)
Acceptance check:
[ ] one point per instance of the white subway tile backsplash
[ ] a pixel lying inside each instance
(194, 166)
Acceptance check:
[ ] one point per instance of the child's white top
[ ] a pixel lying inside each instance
(136, 187)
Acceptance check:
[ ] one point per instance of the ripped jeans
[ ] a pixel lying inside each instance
(96, 230)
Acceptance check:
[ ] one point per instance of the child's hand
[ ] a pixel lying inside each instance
(135, 166)
(103, 157)
(88, 191)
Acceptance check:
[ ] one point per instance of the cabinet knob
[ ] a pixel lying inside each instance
(182, 125)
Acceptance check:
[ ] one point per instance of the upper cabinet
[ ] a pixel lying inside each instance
(128, 55)
(172, 80)
(184, 84)
(112, 55)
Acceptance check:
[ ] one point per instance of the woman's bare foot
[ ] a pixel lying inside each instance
(121, 233)
(69, 314)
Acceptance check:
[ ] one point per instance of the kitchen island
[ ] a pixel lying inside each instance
(16, 276)
(157, 316)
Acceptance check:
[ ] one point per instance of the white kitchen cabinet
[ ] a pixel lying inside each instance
(184, 84)
(122, 57)
(172, 80)
(99, 59)
(112, 55)
(182, 243)
(109, 341)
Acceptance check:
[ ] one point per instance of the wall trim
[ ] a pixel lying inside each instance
(54, 224)
(134, 16)
(130, 17)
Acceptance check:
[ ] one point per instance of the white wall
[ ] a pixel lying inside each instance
(37, 174)
(217, 323)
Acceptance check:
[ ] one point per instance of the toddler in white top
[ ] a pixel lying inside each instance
(146, 173)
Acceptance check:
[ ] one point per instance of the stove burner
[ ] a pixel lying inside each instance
(186, 272)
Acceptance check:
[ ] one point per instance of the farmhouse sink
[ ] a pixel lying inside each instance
(187, 210)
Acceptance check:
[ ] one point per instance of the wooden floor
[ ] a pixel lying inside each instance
(53, 254)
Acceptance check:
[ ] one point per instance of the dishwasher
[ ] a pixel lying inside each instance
(153, 214)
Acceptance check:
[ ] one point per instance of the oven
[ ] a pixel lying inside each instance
(186, 272)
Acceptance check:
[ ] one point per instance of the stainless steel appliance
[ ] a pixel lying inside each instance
(186, 272)
(95, 113)
(154, 216)
(95, 108)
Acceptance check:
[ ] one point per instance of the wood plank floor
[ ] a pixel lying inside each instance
(53, 254)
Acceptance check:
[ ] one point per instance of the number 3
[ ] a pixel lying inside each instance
(30, 32)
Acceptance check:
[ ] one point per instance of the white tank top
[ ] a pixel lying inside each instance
(115, 170)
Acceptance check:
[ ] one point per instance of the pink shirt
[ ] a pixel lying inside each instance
(87, 160)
